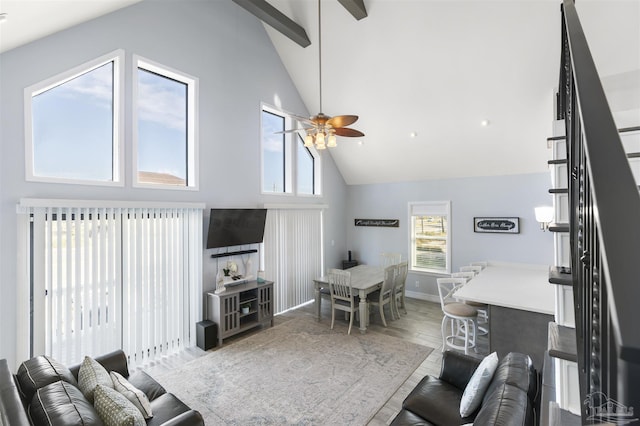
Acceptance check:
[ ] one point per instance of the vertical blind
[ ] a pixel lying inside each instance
(293, 254)
(106, 278)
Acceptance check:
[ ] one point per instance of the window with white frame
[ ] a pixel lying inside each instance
(73, 124)
(288, 167)
(165, 110)
(305, 163)
(430, 237)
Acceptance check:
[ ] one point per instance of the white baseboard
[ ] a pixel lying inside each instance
(422, 296)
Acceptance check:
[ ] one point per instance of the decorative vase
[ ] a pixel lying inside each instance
(245, 310)
(247, 266)
(219, 282)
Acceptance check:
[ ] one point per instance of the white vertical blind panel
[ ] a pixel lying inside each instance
(108, 278)
(41, 309)
(293, 254)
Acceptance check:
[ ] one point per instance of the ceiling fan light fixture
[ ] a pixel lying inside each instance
(323, 129)
(332, 142)
(308, 140)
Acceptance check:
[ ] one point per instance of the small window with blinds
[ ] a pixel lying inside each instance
(430, 236)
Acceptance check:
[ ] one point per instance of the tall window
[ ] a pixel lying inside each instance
(73, 124)
(274, 151)
(306, 168)
(430, 236)
(288, 167)
(165, 111)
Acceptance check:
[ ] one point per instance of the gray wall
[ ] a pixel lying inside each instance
(483, 196)
(216, 41)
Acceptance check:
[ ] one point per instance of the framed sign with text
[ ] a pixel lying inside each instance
(502, 225)
(388, 223)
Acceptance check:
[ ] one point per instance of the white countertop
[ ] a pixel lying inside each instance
(517, 286)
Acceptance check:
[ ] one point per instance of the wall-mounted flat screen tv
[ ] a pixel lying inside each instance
(235, 227)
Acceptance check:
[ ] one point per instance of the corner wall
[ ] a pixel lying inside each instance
(508, 196)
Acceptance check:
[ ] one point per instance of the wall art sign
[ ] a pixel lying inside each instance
(503, 225)
(389, 223)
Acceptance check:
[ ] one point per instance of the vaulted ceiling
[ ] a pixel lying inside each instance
(422, 75)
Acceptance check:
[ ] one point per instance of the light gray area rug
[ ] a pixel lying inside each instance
(299, 372)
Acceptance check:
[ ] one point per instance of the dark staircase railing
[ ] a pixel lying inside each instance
(604, 205)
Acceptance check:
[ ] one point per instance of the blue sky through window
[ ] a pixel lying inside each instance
(162, 125)
(273, 152)
(305, 168)
(72, 126)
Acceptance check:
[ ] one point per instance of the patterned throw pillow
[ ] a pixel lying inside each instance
(115, 409)
(477, 386)
(132, 393)
(91, 374)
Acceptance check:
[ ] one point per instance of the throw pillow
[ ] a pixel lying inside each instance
(132, 393)
(115, 409)
(91, 374)
(475, 389)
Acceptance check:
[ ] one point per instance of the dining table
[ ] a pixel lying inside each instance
(365, 279)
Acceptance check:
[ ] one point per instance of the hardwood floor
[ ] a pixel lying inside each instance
(420, 325)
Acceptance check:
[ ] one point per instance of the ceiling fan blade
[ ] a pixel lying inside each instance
(303, 119)
(291, 131)
(342, 120)
(345, 131)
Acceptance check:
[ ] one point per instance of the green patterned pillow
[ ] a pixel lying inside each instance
(91, 374)
(115, 409)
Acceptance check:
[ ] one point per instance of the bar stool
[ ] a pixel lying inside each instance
(475, 269)
(461, 317)
(482, 264)
(482, 308)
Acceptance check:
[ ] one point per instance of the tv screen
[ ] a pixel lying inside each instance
(235, 227)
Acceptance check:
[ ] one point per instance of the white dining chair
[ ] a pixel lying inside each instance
(460, 317)
(385, 295)
(388, 259)
(399, 289)
(342, 296)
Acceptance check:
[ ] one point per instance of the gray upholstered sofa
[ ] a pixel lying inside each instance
(59, 401)
(510, 398)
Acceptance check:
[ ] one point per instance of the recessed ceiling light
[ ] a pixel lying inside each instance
(485, 123)
(412, 135)
(360, 143)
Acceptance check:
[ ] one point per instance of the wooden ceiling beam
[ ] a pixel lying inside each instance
(276, 19)
(355, 7)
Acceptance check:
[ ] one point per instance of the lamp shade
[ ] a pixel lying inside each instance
(544, 214)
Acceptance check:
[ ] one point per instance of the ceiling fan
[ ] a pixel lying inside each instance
(324, 128)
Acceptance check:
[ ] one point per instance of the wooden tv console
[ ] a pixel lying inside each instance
(225, 308)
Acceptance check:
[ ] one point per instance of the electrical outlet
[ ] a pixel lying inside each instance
(417, 283)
